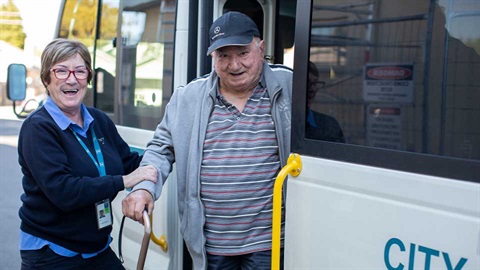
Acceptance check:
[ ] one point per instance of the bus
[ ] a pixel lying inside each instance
(387, 146)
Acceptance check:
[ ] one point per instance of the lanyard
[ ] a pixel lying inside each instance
(98, 152)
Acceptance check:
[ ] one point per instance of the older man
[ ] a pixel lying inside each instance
(229, 135)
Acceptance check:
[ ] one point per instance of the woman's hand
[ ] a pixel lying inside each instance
(140, 174)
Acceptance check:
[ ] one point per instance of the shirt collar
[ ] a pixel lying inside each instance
(63, 122)
(262, 82)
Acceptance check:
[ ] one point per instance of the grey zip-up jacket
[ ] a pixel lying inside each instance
(179, 138)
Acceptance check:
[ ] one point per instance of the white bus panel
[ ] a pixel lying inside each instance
(348, 216)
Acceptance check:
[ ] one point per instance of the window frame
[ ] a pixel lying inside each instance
(440, 166)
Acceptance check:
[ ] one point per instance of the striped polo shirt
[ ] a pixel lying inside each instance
(239, 166)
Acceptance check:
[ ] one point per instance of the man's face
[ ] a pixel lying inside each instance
(239, 67)
(314, 85)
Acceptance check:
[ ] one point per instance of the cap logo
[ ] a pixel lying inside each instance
(217, 33)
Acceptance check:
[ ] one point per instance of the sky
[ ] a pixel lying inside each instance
(39, 22)
(39, 18)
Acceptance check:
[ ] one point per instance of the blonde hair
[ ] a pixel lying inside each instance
(60, 50)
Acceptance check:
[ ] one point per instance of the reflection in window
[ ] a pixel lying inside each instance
(320, 126)
(79, 20)
(462, 18)
(147, 62)
(400, 74)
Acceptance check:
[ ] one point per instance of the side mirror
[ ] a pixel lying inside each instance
(16, 82)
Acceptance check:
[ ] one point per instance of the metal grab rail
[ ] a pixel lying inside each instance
(293, 167)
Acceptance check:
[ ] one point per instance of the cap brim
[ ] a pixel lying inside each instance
(229, 41)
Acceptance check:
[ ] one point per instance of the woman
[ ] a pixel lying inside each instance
(74, 163)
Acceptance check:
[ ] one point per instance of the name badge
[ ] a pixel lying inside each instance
(104, 214)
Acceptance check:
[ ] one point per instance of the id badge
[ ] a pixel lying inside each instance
(104, 214)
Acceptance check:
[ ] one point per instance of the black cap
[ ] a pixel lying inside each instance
(232, 29)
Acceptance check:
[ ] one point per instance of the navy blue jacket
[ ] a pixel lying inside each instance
(62, 184)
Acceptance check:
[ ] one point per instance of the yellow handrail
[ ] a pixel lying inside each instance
(294, 167)
(162, 241)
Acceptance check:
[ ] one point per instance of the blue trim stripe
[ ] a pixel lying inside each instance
(138, 150)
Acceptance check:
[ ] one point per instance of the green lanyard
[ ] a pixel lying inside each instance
(98, 152)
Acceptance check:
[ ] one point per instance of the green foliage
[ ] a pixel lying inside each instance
(79, 21)
(11, 29)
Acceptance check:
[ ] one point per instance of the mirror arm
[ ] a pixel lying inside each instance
(23, 113)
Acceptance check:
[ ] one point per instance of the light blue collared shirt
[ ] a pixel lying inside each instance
(63, 122)
(30, 242)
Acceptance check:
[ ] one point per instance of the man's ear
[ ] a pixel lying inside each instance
(262, 47)
(213, 56)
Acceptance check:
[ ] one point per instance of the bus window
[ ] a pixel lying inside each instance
(104, 57)
(147, 30)
(79, 21)
(399, 75)
(285, 32)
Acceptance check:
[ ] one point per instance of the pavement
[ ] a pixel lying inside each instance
(6, 113)
(10, 189)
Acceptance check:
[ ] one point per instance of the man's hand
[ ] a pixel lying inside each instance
(134, 204)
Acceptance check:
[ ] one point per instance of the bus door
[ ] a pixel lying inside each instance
(385, 118)
(131, 43)
(150, 37)
(144, 84)
(145, 61)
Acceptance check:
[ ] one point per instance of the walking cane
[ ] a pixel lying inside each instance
(145, 241)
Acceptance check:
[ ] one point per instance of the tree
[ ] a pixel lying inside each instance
(80, 18)
(11, 29)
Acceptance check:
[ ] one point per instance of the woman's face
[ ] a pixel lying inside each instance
(68, 92)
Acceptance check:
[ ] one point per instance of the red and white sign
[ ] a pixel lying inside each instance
(384, 126)
(391, 83)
